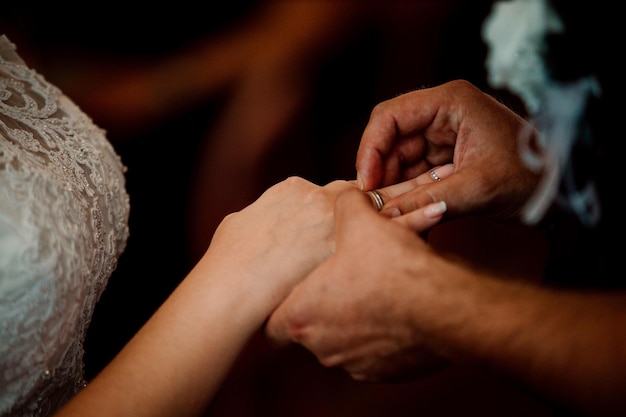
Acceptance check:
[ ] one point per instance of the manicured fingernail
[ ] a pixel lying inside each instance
(435, 209)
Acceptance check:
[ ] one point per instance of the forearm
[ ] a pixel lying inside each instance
(567, 346)
(176, 362)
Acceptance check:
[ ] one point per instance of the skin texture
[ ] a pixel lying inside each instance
(176, 362)
(403, 309)
(412, 133)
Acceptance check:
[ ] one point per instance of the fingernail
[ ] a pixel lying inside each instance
(445, 171)
(359, 181)
(435, 209)
(392, 212)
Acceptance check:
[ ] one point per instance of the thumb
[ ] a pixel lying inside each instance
(291, 319)
(353, 210)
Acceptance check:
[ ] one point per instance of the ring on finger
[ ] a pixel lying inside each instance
(377, 199)
(434, 175)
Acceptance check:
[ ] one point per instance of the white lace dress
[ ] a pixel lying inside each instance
(63, 224)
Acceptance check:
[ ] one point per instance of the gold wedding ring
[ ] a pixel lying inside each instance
(376, 199)
(434, 176)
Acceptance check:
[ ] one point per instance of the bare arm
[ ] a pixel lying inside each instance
(176, 362)
(408, 308)
(567, 346)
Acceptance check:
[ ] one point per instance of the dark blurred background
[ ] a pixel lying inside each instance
(208, 106)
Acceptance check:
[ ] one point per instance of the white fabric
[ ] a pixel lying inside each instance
(515, 32)
(63, 224)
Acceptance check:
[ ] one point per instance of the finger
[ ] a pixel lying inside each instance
(430, 177)
(463, 194)
(369, 167)
(390, 120)
(353, 209)
(287, 324)
(438, 173)
(376, 143)
(423, 219)
(377, 199)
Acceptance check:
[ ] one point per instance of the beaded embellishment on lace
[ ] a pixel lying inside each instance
(63, 224)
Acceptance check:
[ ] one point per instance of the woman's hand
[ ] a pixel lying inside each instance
(256, 257)
(355, 310)
(277, 240)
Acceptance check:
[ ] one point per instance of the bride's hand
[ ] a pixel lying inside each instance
(277, 240)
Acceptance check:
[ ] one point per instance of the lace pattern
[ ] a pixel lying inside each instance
(63, 224)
